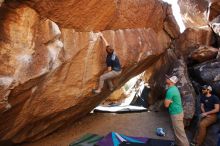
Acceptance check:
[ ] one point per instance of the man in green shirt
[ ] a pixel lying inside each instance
(174, 104)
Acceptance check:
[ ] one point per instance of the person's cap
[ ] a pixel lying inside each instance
(207, 87)
(173, 79)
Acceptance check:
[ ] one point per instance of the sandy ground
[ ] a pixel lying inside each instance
(131, 124)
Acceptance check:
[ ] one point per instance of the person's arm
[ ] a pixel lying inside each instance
(167, 103)
(109, 68)
(215, 110)
(105, 41)
(168, 100)
(202, 108)
(109, 65)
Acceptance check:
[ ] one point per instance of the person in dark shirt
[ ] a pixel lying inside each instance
(209, 109)
(114, 68)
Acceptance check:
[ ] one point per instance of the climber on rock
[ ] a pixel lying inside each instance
(114, 68)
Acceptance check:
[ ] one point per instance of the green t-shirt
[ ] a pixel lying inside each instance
(173, 94)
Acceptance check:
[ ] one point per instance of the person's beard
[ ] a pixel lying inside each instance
(205, 93)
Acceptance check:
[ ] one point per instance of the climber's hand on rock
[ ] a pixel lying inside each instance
(100, 34)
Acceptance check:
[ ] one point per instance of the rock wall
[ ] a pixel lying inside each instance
(47, 71)
(204, 53)
(186, 89)
(102, 14)
(194, 12)
(198, 13)
(208, 73)
(155, 76)
(191, 39)
(52, 56)
(25, 53)
(170, 64)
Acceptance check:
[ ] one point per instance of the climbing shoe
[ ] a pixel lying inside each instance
(96, 91)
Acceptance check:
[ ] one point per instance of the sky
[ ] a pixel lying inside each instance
(176, 13)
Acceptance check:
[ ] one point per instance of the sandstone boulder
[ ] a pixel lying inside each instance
(98, 15)
(214, 18)
(170, 64)
(170, 25)
(47, 73)
(198, 13)
(208, 73)
(155, 76)
(204, 53)
(191, 39)
(24, 46)
(213, 9)
(201, 14)
(186, 90)
(194, 12)
(46, 80)
(215, 25)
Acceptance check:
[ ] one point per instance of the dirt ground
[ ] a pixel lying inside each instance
(131, 124)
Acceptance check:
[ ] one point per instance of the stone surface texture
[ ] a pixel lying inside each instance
(171, 65)
(191, 39)
(204, 53)
(47, 71)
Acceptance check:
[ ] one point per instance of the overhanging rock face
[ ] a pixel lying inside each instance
(87, 15)
(47, 72)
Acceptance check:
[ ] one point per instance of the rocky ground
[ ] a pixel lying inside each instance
(134, 124)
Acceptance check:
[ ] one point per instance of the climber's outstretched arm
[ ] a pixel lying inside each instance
(105, 41)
